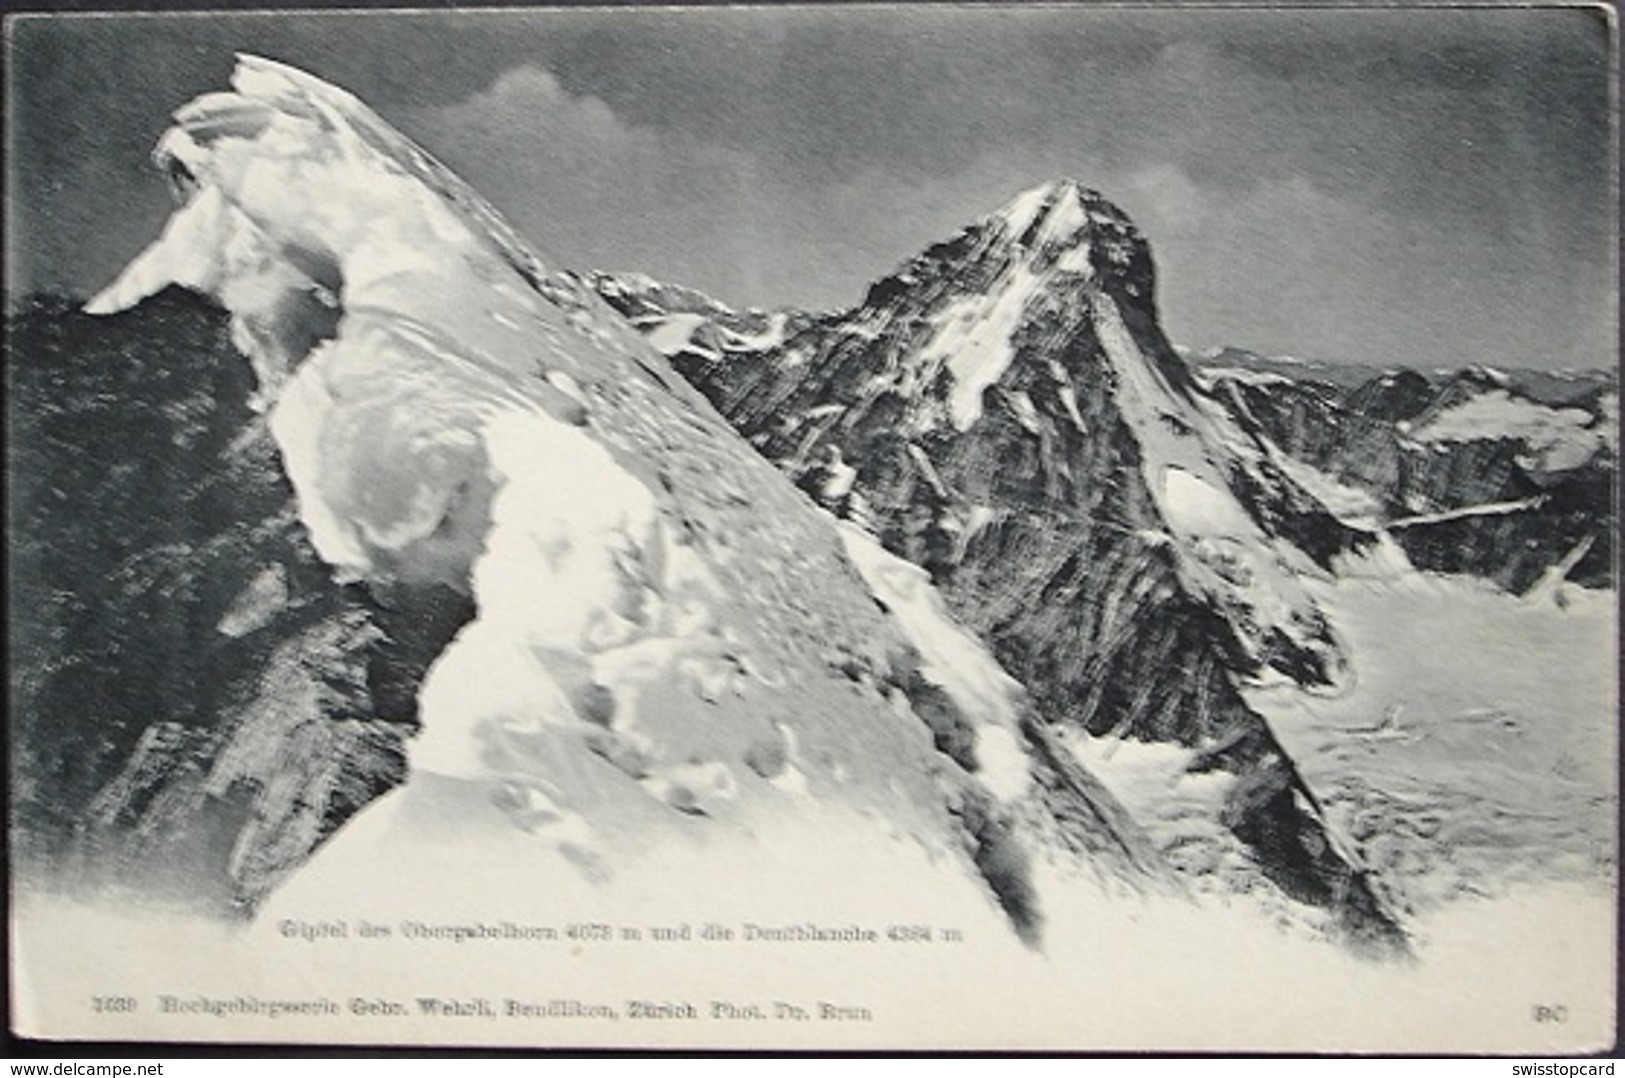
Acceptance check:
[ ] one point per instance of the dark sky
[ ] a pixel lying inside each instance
(1426, 186)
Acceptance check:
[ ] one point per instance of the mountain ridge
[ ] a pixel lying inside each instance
(632, 662)
(954, 568)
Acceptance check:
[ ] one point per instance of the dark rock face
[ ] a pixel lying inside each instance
(1394, 397)
(196, 703)
(1018, 479)
(1544, 464)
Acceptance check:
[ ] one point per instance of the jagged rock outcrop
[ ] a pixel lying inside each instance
(1471, 474)
(198, 705)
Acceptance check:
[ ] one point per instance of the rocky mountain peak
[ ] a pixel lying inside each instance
(1061, 216)
(1055, 235)
(1005, 412)
(1393, 395)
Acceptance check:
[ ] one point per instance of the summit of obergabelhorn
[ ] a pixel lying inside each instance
(647, 647)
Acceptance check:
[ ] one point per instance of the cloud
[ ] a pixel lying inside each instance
(596, 191)
(1448, 170)
(527, 106)
(1290, 264)
(589, 188)
(1290, 211)
(1171, 198)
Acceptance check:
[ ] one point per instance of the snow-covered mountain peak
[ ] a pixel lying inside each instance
(1056, 227)
(1060, 199)
(947, 326)
(1486, 376)
(1060, 215)
(651, 295)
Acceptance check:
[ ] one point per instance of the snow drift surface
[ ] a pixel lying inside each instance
(670, 645)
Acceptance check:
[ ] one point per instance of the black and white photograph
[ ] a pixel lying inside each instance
(850, 527)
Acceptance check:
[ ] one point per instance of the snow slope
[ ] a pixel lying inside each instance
(669, 644)
(953, 659)
(1476, 747)
(1191, 451)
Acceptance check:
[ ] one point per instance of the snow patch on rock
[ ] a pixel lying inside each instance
(1196, 508)
(973, 340)
(1252, 577)
(1560, 438)
(951, 658)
